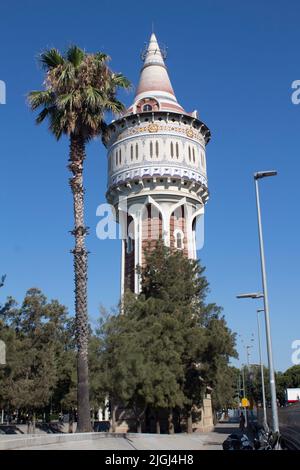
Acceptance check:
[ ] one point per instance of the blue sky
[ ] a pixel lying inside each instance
(233, 61)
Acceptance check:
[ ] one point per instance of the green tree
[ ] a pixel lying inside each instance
(179, 283)
(80, 88)
(288, 379)
(165, 349)
(38, 338)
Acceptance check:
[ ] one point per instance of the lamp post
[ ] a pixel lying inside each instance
(244, 394)
(247, 348)
(259, 295)
(257, 176)
(262, 370)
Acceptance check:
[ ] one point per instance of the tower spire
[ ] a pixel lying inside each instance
(154, 79)
(153, 54)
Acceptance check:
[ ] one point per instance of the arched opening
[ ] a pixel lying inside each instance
(151, 228)
(129, 255)
(178, 239)
(147, 107)
(129, 244)
(178, 229)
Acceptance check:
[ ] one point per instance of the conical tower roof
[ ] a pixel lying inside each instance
(154, 84)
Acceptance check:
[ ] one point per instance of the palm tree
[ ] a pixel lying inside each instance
(79, 89)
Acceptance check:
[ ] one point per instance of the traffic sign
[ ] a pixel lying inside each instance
(245, 402)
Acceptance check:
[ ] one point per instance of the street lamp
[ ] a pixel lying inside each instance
(262, 369)
(252, 295)
(257, 176)
(258, 295)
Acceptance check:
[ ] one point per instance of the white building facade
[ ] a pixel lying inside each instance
(157, 178)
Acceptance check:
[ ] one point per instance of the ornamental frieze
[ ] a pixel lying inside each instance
(157, 170)
(153, 128)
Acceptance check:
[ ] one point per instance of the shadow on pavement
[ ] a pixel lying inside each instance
(10, 429)
(226, 429)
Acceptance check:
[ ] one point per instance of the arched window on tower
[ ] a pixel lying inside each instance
(172, 150)
(177, 150)
(194, 154)
(131, 152)
(116, 158)
(151, 149)
(136, 151)
(157, 149)
(120, 157)
(178, 238)
(147, 107)
(129, 244)
(189, 153)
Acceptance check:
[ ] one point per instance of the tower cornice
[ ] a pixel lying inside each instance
(117, 127)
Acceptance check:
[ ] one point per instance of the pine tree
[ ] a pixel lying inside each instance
(165, 349)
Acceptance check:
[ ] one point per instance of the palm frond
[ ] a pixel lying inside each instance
(40, 98)
(101, 57)
(56, 123)
(114, 105)
(65, 100)
(119, 80)
(66, 74)
(93, 97)
(51, 58)
(75, 55)
(42, 115)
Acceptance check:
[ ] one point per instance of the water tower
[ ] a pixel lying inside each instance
(156, 169)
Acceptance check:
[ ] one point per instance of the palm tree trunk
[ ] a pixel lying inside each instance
(77, 156)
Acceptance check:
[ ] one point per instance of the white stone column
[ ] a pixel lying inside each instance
(135, 211)
(122, 286)
(123, 235)
(191, 215)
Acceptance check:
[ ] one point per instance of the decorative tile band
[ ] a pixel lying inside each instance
(154, 128)
(157, 171)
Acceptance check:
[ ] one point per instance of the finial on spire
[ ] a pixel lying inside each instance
(152, 27)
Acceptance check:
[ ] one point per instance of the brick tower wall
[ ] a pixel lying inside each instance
(151, 230)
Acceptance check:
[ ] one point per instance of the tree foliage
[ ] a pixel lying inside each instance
(38, 343)
(170, 344)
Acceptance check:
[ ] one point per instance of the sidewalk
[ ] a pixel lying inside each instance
(108, 441)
